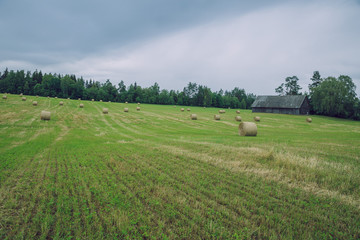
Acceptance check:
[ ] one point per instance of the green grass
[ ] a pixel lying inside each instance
(156, 174)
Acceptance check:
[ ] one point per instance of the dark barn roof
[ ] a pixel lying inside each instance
(290, 101)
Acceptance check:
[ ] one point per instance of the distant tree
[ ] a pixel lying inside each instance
(190, 92)
(315, 80)
(242, 104)
(250, 100)
(335, 97)
(280, 90)
(121, 91)
(291, 87)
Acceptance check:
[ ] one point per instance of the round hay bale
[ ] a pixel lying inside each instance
(257, 119)
(105, 110)
(309, 120)
(188, 109)
(221, 111)
(79, 99)
(61, 103)
(247, 129)
(193, 116)
(45, 115)
(4, 97)
(48, 96)
(182, 110)
(68, 98)
(55, 97)
(92, 100)
(81, 105)
(126, 102)
(37, 96)
(109, 101)
(138, 109)
(238, 118)
(20, 94)
(100, 100)
(237, 111)
(138, 103)
(216, 117)
(34, 103)
(23, 98)
(126, 110)
(174, 106)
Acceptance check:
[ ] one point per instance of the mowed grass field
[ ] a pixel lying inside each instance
(156, 174)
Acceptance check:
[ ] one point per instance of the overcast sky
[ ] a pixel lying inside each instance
(222, 44)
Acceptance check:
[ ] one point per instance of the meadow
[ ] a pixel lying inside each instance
(157, 174)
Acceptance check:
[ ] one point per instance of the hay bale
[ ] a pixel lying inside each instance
(193, 116)
(309, 120)
(45, 115)
(182, 110)
(68, 98)
(174, 106)
(79, 99)
(138, 103)
(20, 94)
(37, 96)
(105, 110)
(188, 109)
(126, 102)
(247, 129)
(126, 110)
(92, 100)
(81, 105)
(109, 101)
(221, 111)
(34, 103)
(100, 100)
(61, 103)
(138, 109)
(257, 119)
(216, 117)
(55, 97)
(238, 119)
(23, 98)
(4, 97)
(237, 111)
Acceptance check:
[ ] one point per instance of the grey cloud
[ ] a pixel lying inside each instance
(80, 27)
(221, 44)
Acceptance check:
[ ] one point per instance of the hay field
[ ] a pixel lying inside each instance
(157, 174)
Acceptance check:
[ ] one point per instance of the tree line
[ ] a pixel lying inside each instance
(331, 96)
(69, 86)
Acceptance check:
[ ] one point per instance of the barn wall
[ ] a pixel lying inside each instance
(294, 111)
(305, 107)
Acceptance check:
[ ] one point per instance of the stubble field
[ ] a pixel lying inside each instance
(156, 174)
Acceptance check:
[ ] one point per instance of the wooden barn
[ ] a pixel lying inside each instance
(291, 104)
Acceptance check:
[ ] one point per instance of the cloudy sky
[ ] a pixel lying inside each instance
(253, 45)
